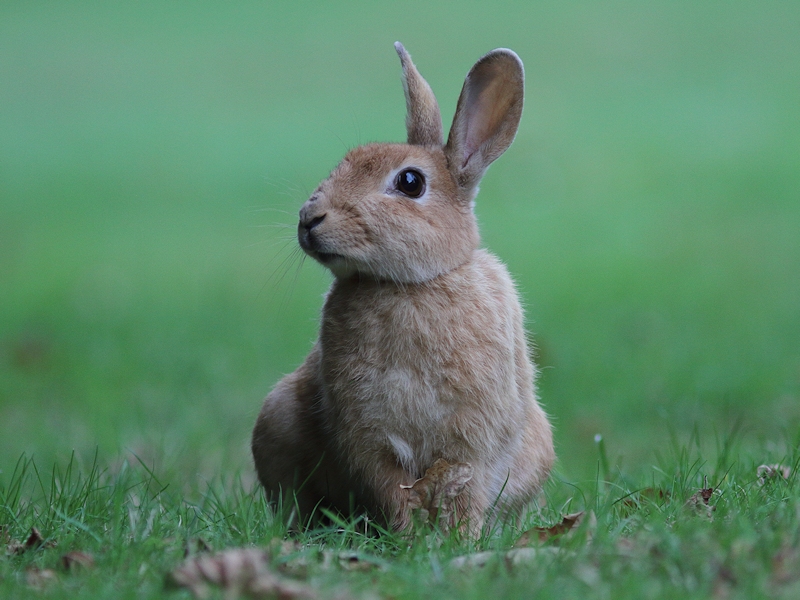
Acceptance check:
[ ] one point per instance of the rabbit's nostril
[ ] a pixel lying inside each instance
(314, 222)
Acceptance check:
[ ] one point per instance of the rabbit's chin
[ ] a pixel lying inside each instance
(340, 266)
(328, 258)
(344, 267)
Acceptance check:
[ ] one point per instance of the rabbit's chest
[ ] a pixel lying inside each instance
(415, 374)
(388, 368)
(388, 392)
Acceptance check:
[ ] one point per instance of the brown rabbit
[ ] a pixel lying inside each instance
(421, 352)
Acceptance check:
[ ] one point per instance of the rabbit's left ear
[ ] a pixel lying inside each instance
(423, 120)
(487, 115)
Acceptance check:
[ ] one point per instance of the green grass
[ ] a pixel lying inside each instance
(647, 542)
(152, 161)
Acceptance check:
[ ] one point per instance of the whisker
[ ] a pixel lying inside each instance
(273, 226)
(356, 125)
(286, 186)
(259, 209)
(287, 293)
(272, 243)
(282, 268)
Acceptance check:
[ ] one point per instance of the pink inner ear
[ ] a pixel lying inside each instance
(486, 106)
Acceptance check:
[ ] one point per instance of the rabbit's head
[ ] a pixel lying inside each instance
(403, 212)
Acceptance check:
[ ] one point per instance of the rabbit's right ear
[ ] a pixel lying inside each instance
(487, 115)
(423, 120)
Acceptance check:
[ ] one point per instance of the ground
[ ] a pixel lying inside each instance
(152, 162)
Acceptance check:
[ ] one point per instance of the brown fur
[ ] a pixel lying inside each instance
(422, 352)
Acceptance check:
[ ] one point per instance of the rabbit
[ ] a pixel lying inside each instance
(422, 353)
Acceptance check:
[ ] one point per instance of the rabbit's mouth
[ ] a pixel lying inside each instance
(311, 245)
(327, 257)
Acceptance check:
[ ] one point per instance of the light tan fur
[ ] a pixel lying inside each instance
(422, 352)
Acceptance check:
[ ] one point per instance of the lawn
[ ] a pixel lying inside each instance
(152, 160)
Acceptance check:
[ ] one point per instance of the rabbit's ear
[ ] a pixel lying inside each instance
(487, 115)
(423, 120)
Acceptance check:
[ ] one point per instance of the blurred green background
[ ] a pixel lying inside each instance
(153, 157)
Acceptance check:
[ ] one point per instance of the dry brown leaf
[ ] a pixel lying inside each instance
(289, 558)
(767, 473)
(34, 541)
(76, 559)
(724, 581)
(542, 534)
(699, 501)
(588, 573)
(302, 564)
(433, 496)
(627, 547)
(352, 561)
(239, 572)
(291, 561)
(280, 547)
(31, 351)
(516, 557)
(40, 578)
(786, 565)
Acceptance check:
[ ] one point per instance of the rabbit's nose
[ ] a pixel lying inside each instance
(309, 217)
(309, 225)
(304, 230)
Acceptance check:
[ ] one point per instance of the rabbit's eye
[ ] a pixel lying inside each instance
(410, 182)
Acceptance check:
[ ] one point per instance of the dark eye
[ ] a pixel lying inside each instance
(411, 183)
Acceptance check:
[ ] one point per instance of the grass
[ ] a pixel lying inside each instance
(152, 161)
(649, 539)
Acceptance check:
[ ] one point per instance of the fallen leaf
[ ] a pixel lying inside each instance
(40, 578)
(76, 559)
(699, 501)
(627, 547)
(542, 534)
(516, 557)
(238, 571)
(301, 564)
(279, 547)
(767, 473)
(32, 351)
(291, 559)
(34, 541)
(433, 496)
(786, 565)
(588, 573)
(703, 495)
(724, 582)
(352, 561)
